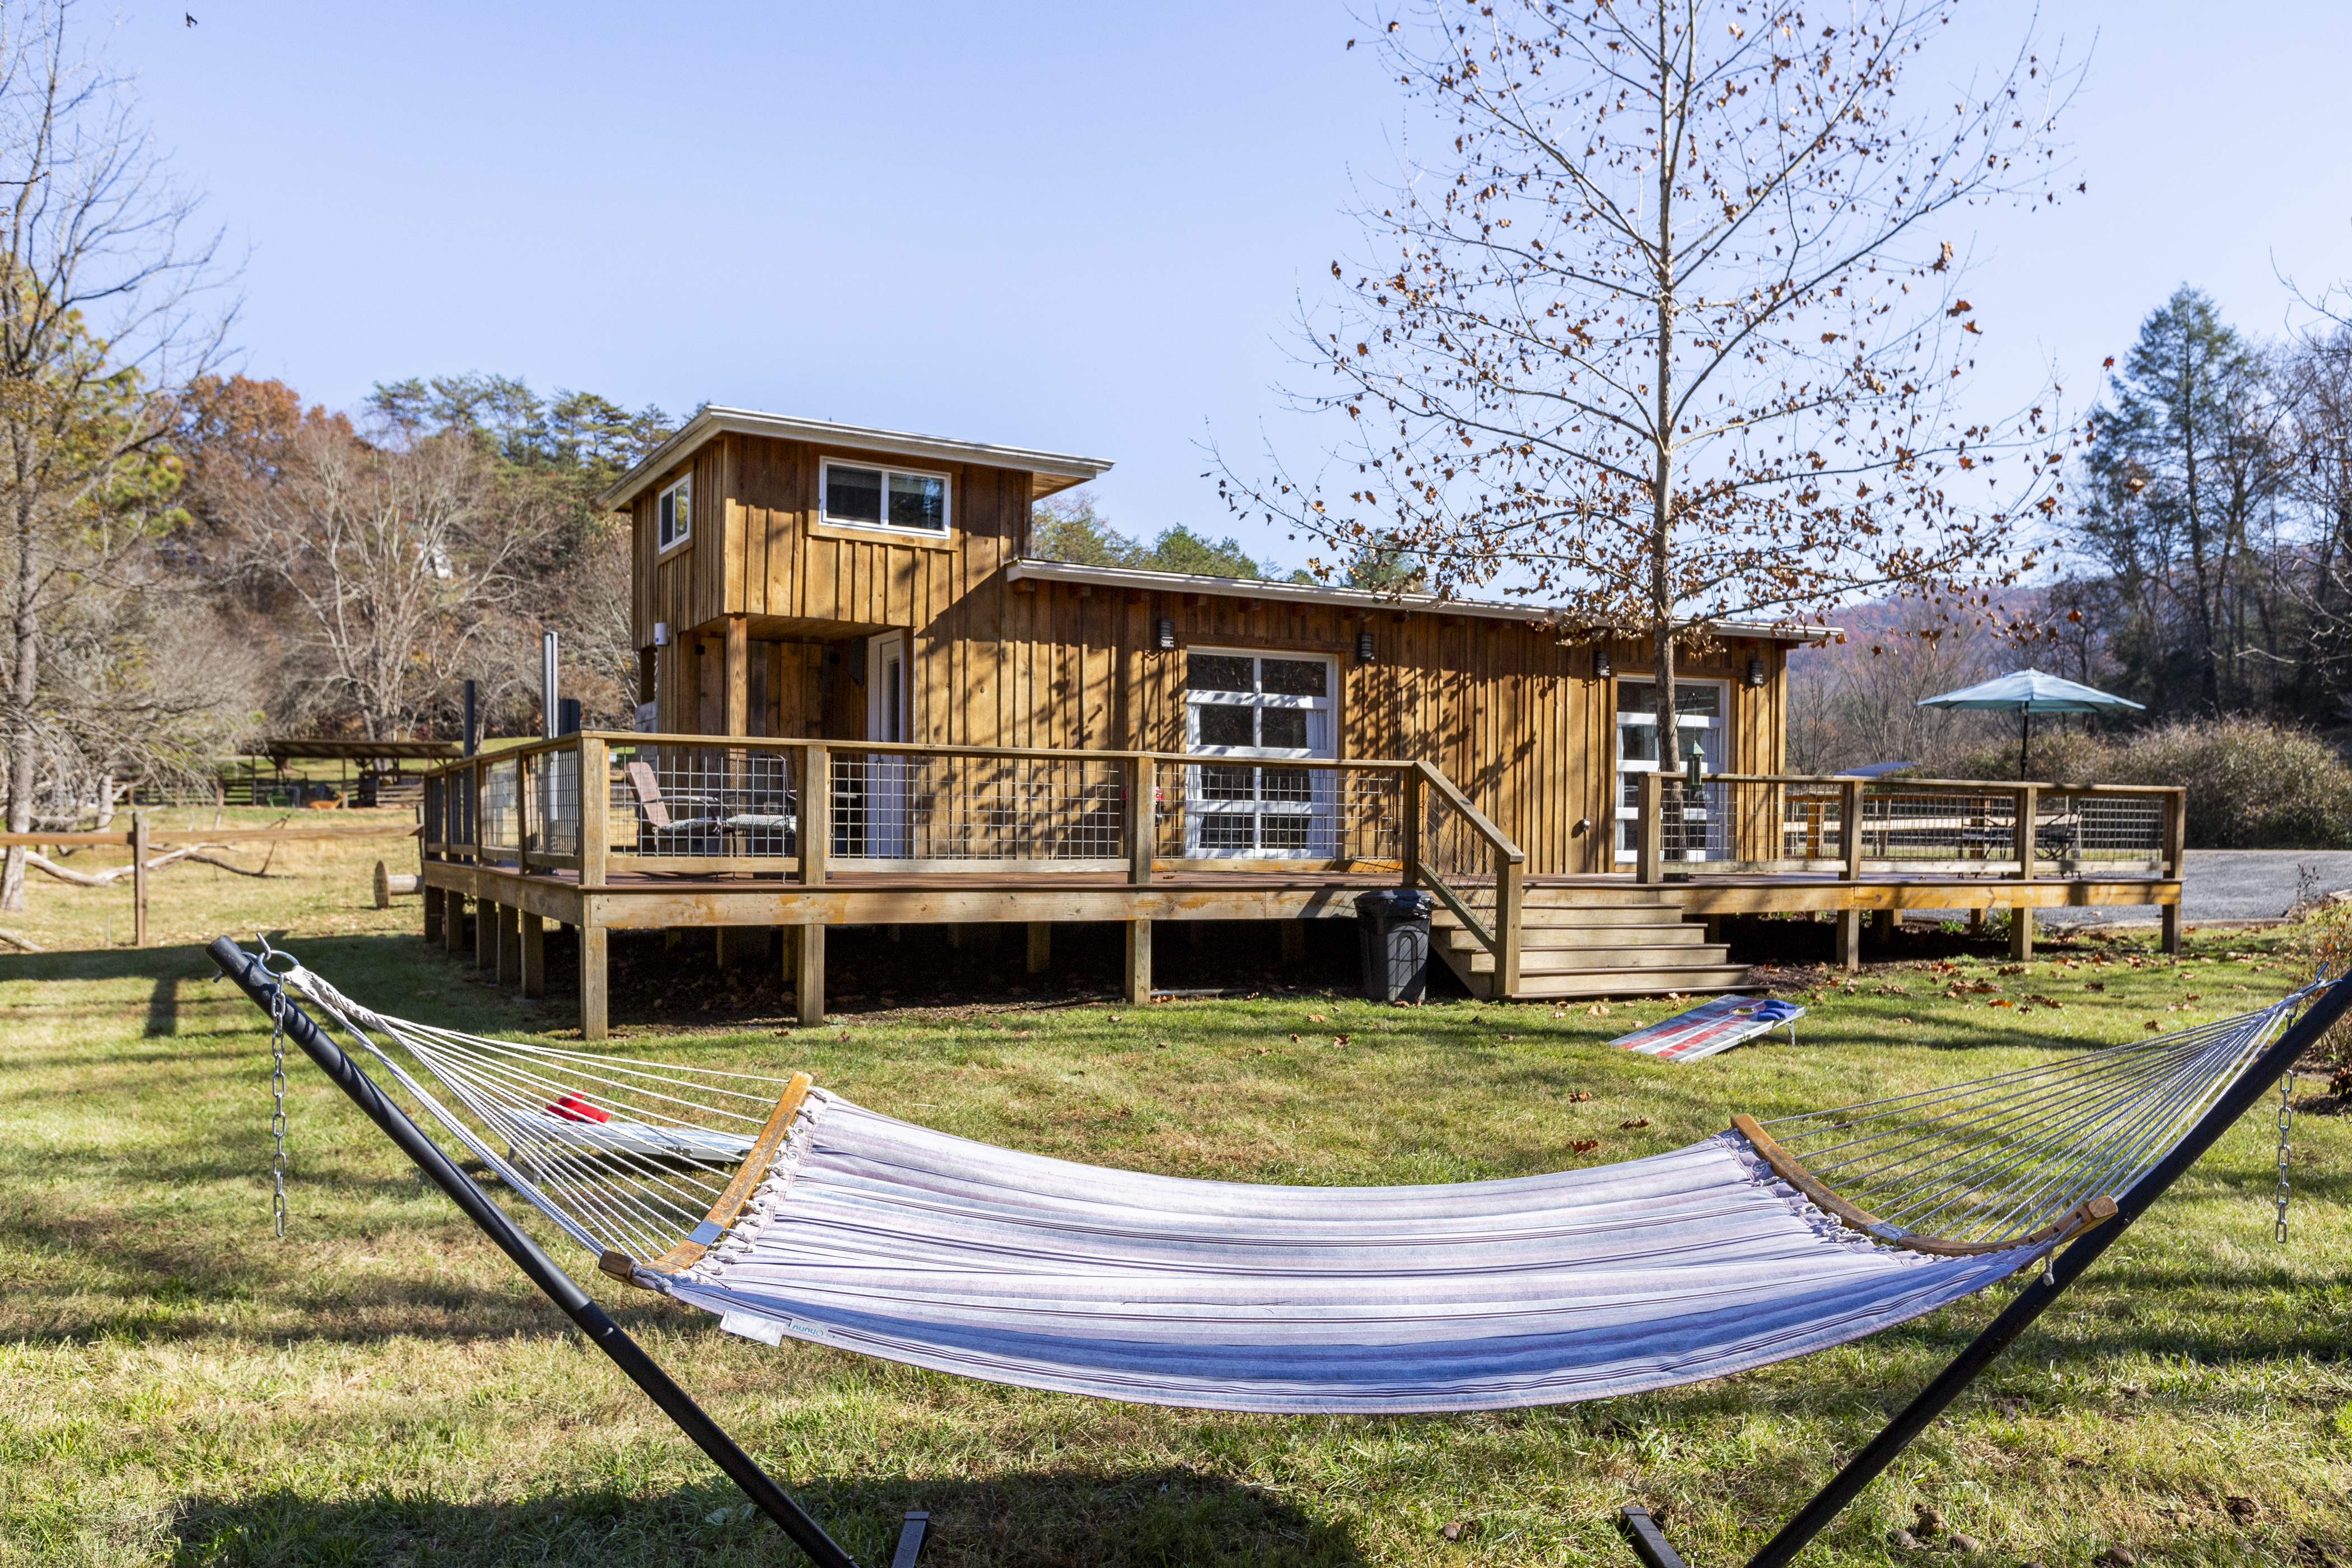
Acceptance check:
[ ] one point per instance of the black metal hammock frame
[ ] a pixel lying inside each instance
(1871, 1154)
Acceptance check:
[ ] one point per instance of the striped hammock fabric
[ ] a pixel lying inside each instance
(793, 1213)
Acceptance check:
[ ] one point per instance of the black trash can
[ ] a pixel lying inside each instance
(1392, 926)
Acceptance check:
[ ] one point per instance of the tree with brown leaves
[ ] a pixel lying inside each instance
(1669, 332)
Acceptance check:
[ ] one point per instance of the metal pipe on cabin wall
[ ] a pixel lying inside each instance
(549, 719)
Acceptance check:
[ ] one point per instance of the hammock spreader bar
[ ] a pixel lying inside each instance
(258, 981)
(2320, 1014)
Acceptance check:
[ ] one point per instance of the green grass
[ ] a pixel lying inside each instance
(382, 1387)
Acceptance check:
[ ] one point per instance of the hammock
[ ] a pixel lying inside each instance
(791, 1212)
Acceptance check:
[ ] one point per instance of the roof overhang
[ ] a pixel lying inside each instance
(1049, 472)
(1369, 601)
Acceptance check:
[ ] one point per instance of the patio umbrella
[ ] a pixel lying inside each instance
(2028, 692)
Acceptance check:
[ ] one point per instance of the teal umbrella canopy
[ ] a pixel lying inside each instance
(2030, 691)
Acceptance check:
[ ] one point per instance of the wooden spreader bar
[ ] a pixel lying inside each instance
(729, 1204)
(1785, 1165)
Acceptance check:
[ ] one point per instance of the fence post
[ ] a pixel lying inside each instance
(816, 815)
(2020, 915)
(595, 805)
(1143, 822)
(1507, 923)
(1413, 809)
(1850, 827)
(2176, 844)
(1649, 852)
(139, 878)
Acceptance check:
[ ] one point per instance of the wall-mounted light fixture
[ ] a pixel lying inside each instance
(1603, 667)
(1163, 635)
(1754, 672)
(1364, 651)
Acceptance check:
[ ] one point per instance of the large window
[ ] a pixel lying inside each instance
(1251, 708)
(861, 497)
(675, 513)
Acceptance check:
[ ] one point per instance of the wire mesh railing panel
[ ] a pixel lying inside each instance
(2099, 829)
(554, 799)
(939, 808)
(501, 823)
(1241, 808)
(706, 801)
(1455, 852)
(1810, 823)
(1938, 825)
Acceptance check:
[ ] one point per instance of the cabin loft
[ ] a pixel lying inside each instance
(863, 701)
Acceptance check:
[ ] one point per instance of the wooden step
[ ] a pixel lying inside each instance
(1578, 960)
(1532, 937)
(1592, 915)
(1596, 983)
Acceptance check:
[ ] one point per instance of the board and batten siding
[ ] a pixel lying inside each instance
(1509, 711)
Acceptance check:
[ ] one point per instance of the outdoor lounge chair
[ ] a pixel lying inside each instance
(654, 811)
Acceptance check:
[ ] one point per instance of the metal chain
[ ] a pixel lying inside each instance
(277, 1115)
(2285, 1126)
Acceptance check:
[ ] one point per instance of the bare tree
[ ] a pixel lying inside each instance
(392, 555)
(101, 268)
(1668, 333)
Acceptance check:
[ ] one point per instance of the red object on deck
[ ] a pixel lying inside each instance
(572, 1107)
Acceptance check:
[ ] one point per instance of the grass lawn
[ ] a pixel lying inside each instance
(382, 1387)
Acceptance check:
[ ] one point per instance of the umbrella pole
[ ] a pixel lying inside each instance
(2025, 736)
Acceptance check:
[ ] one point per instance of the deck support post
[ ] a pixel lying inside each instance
(533, 933)
(432, 901)
(1294, 941)
(1507, 927)
(595, 948)
(595, 801)
(1882, 924)
(1411, 847)
(816, 817)
(508, 963)
(1850, 827)
(1142, 821)
(1849, 939)
(1137, 981)
(2176, 846)
(1649, 849)
(453, 921)
(808, 976)
(1041, 946)
(486, 934)
(2170, 915)
(1977, 920)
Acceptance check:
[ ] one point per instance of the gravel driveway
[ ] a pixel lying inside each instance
(2228, 885)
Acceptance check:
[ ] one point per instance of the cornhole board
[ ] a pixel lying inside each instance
(1716, 1025)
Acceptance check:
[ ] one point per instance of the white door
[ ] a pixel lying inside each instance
(890, 776)
(1257, 711)
(1702, 705)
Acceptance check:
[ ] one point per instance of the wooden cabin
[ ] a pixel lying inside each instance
(865, 701)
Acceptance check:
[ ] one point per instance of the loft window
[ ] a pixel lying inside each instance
(861, 497)
(675, 511)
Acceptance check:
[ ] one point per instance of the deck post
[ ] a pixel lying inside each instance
(453, 921)
(2020, 914)
(595, 949)
(808, 976)
(1041, 946)
(596, 805)
(432, 901)
(1849, 939)
(1883, 923)
(1411, 845)
(739, 675)
(1506, 927)
(1649, 852)
(816, 826)
(1137, 981)
(1850, 830)
(509, 951)
(1142, 821)
(534, 934)
(486, 934)
(2176, 841)
(139, 878)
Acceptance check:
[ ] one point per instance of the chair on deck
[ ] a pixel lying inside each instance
(654, 810)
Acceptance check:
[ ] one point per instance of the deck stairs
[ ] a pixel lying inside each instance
(1586, 942)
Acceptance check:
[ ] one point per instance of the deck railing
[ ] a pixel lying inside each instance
(606, 803)
(1783, 823)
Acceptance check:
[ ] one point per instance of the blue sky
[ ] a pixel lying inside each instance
(1075, 227)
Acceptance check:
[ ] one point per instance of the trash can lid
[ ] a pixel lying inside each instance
(1402, 902)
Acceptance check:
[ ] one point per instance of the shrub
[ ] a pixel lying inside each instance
(2251, 785)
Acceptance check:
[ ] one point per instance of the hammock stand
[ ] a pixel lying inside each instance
(2083, 1234)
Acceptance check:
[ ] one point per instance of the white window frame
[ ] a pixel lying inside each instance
(824, 499)
(1321, 805)
(1719, 725)
(667, 537)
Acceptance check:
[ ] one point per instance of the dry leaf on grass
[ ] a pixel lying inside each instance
(1580, 1094)
(1637, 1121)
(1317, 1019)
(1584, 1145)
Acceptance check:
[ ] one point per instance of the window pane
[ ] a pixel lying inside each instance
(853, 495)
(1217, 672)
(1640, 742)
(1226, 726)
(1641, 696)
(1283, 784)
(1228, 833)
(684, 509)
(669, 518)
(1228, 783)
(918, 500)
(1283, 832)
(1294, 677)
(1285, 726)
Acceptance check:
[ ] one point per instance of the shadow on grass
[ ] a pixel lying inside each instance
(1060, 1519)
